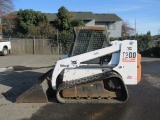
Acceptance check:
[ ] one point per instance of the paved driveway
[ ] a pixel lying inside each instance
(28, 60)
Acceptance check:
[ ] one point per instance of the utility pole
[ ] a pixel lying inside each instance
(135, 29)
(58, 43)
(1, 35)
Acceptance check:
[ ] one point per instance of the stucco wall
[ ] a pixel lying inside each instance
(117, 31)
(90, 23)
(114, 32)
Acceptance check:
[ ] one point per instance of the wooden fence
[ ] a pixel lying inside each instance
(32, 46)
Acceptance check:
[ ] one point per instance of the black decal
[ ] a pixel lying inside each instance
(123, 54)
(62, 65)
(129, 48)
(74, 62)
(129, 54)
(134, 54)
(126, 54)
(96, 53)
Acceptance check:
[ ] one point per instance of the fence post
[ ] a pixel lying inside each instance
(43, 45)
(58, 43)
(34, 45)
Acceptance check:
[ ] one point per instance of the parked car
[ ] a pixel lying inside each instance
(5, 47)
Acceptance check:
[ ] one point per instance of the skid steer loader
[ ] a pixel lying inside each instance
(95, 71)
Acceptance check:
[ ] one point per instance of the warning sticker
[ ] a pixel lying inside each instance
(128, 59)
(129, 77)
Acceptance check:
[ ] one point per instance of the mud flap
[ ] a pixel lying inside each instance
(38, 92)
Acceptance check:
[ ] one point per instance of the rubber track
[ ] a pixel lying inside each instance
(93, 78)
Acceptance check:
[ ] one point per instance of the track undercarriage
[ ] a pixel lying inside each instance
(101, 88)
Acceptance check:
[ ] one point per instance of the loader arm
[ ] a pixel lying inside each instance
(75, 61)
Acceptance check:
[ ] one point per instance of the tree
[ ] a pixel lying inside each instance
(126, 29)
(64, 40)
(149, 33)
(143, 43)
(6, 6)
(63, 21)
(27, 19)
(9, 23)
(77, 22)
(43, 30)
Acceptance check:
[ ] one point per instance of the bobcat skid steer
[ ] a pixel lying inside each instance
(95, 71)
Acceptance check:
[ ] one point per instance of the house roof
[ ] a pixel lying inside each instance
(156, 37)
(82, 15)
(107, 17)
(51, 16)
(88, 16)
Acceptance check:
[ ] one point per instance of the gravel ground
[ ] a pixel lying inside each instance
(143, 103)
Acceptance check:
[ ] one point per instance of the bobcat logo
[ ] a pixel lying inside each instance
(74, 62)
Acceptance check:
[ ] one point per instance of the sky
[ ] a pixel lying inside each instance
(144, 15)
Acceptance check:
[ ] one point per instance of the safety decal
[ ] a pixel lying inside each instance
(129, 77)
(128, 59)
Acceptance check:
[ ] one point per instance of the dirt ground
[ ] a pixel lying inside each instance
(143, 102)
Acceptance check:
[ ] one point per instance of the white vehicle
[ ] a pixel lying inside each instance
(5, 47)
(95, 71)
